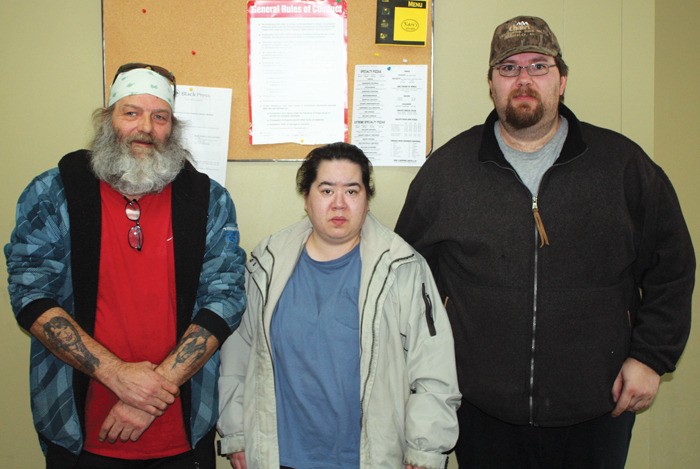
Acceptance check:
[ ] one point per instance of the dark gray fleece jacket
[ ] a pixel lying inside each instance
(541, 332)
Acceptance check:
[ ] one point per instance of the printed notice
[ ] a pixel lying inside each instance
(298, 84)
(389, 114)
(206, 115)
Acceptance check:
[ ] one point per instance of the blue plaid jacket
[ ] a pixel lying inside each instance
(53, 260)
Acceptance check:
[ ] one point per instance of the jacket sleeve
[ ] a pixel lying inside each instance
(431, 410)
(665, 275)
(38, 254)
(235, 355)
(221, 292)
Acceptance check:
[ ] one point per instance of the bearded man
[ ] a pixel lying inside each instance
(563, 257)
(125, 268)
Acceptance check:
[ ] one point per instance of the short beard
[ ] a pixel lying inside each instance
(522, 117)
(113, 162)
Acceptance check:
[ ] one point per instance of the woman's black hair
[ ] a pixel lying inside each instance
(308, 171)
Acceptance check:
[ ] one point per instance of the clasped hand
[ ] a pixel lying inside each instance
(141, 387)
(124, 423)
(144, 395)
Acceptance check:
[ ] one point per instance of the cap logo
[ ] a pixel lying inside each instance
(518, 29)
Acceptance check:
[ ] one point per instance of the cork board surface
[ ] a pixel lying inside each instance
(204, 43)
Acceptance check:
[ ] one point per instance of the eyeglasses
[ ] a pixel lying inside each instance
(133, 213)
(165, 73)
(535, 70)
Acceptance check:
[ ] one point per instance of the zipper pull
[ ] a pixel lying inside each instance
(429, 312)
(538, 222)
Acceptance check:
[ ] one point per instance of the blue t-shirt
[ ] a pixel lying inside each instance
(315, 335)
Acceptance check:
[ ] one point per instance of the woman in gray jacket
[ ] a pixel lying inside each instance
(345, 356)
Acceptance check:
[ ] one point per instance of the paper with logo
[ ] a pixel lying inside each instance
(206, 115)
(402, 22)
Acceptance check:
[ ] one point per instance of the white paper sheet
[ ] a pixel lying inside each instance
(389, 114)
(298, 80)
(206, 114)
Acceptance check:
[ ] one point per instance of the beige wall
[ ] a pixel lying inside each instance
(52, 66)
(675, 417)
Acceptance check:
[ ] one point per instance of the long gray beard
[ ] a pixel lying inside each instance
(113, 162)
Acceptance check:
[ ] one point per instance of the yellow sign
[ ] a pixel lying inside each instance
(402, 22)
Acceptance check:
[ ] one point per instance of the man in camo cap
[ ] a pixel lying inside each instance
(566, 265)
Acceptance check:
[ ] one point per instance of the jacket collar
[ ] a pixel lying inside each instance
(574, 145)
(277, 256)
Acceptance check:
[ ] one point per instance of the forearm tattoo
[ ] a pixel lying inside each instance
(64, 336)
(192, 347)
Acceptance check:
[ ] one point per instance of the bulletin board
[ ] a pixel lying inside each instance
(204, 43)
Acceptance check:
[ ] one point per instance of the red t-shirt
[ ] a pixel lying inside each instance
(136, 317)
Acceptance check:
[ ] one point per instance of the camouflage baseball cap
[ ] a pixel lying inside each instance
(523, 34)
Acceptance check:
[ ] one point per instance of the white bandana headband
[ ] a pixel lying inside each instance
(142, 81)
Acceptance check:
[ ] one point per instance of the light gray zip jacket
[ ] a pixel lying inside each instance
(409, 393)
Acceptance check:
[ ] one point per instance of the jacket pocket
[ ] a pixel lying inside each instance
(582, 338)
